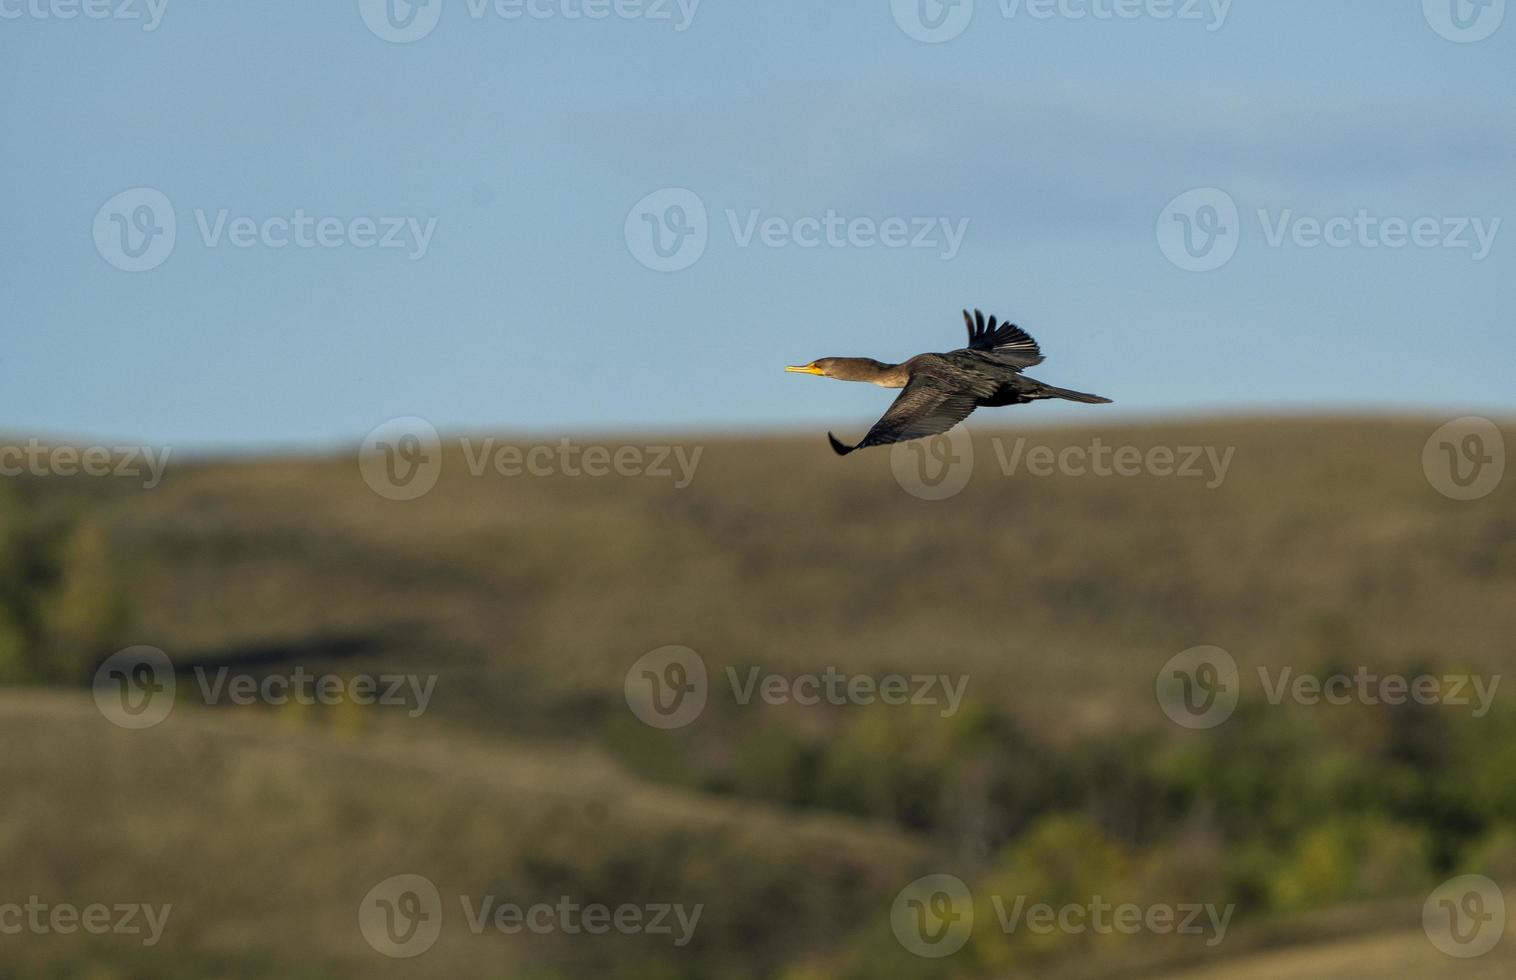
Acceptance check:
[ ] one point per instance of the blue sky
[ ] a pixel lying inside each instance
(520, 145)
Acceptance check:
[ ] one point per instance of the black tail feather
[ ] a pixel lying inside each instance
(1048, 391)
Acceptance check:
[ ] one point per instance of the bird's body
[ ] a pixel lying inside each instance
(940, 390)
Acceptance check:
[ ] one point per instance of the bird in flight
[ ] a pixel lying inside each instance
(940, 390)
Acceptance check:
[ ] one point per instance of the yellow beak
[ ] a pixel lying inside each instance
(810, 368)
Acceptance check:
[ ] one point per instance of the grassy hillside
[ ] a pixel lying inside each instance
(1056, 600)
(265, 838)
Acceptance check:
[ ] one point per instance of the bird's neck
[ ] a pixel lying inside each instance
(869, 370)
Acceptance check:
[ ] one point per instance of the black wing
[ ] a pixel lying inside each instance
(1006, 343)
(924, 408)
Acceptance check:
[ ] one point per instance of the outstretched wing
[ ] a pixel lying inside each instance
(1006, 343)
(923, 408)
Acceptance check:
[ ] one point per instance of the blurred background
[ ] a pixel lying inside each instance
(415, 562)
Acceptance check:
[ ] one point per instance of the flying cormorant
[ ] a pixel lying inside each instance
(942, 389)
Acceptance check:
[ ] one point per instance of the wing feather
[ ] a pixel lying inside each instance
(1006, 343)
(922, 409)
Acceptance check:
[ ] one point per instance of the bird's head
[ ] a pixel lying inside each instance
(845, 369)
(823, 367)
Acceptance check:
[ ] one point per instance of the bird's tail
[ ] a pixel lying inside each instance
(1048, 391)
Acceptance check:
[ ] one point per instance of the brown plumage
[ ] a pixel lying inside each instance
(940, 390)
